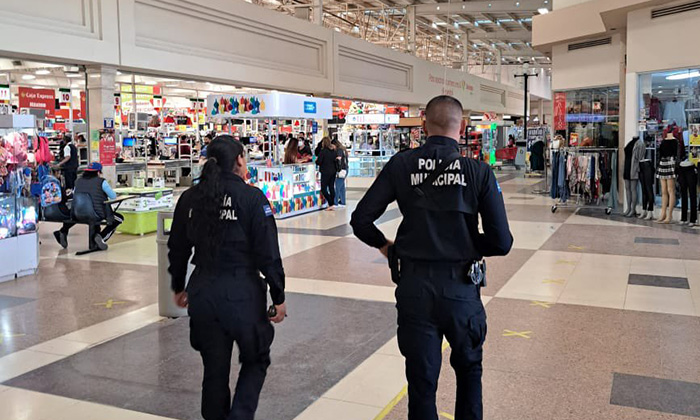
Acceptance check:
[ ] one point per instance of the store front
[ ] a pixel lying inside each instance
(669, 102)
(588, 117)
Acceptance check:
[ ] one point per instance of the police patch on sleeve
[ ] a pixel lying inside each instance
(267, 210)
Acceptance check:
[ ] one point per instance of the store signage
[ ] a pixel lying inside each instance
(83, 103)
(64, 96)
(108, 149)
(5, 109)
(5, 92)
(38, 99)
(314, 127)
(109, 123)
(372, 119)
(117, 100)
(560, 111)
(309, 107)
(282, 105)
(138, 88)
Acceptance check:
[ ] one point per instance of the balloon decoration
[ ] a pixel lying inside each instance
(235, 105)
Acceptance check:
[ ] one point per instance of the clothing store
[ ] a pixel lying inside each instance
(669, 127)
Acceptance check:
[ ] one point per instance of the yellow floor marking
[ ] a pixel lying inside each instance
(382, 414)
(578, 248)
(555, 281)
(524, 334)
(110, 303)
(4, 336)
(566, 262)
(542, 304)
(447, 416)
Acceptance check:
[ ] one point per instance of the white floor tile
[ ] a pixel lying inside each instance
(20, 404)
(658, 267)
(326, 409)
(340, 289)
(142, 251)
(659, 299)
(60, 347)
(291, 244)
(543, 277)
(91, 411)
(531, 235)
(391, 348)
(375, 382)
(599, 280)
(23, 361)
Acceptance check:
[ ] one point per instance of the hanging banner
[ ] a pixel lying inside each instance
(108, 149)
(4, 93)
(560, 111)
(117, 100)
(38, 99)
(83, 103)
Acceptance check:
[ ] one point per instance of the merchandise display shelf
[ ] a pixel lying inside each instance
(291, 189)
(19, 241)
(141, 213)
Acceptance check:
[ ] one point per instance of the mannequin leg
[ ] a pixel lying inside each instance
(693, 198)
(671, 199)
(664, 200)
(634, 186)
(628, 198)
(685, 189)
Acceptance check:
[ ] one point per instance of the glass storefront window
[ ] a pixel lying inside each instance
(669, 102)
(593, 117)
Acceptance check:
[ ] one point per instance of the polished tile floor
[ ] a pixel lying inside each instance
(590, 317)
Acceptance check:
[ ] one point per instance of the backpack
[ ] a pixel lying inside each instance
(50, 191)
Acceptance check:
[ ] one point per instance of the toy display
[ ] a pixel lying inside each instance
(291, 189)
(7, 216)
(238, 105)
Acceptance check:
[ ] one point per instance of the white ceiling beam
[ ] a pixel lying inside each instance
(497, 6)
(502, 36)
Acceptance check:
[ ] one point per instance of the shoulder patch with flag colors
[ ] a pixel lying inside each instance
(267, 209)
(498, 186)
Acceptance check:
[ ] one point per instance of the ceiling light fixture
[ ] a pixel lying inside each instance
(543, 10)
(95, 75)
(437, 37)
(72, 74)
(517, 4)
(337, 29)
(401, 38)
(438, 8)
(434, 25)
(28, 77)
(683, 76)
(42, 72)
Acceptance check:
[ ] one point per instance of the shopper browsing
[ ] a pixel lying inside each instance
(341, 162)
(436, 261)
(327, 166)
(230, 226)
(69, 163)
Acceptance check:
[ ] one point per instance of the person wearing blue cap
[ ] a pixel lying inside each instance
(99, 190)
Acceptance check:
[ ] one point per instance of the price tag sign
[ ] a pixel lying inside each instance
(4, 92)
(64, 96)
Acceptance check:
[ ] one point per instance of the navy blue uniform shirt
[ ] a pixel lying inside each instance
(444, 226)
(250, 238)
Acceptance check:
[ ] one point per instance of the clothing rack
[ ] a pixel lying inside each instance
(561, 190)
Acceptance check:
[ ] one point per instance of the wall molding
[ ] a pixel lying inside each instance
(91, 12)
(208, 15)
(349, 53)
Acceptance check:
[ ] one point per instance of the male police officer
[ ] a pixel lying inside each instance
(436, 258)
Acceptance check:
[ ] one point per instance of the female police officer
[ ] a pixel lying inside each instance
(231, 228)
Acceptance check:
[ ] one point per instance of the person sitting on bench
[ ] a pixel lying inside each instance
(99, 190)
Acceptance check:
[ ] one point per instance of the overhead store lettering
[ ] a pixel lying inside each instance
(227, 213)
(446, 178)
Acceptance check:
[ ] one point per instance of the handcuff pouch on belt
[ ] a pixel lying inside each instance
(394, 264)
(477, 273)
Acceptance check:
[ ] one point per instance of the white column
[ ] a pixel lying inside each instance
(411, 16)
(465, 51)
(499, 57)
(100, 98)
(318, 12)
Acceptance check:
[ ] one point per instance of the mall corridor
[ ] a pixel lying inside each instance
(590, 317)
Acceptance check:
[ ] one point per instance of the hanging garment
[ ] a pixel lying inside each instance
(646, 177)
(675, 111)
(688, 180)
(555, 175)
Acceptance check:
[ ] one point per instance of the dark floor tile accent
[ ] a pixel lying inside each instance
(535, 187)
(656, 241)
(361, 189)
(154, 370)
(521, 198)
(663, 395)
(340, 230)
(506, 177)
(11, 301)
(659, 281)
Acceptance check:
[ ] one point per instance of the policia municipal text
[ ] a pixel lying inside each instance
(436, 261)
(233, 232)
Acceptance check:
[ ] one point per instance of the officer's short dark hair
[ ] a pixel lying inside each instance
(444, 113)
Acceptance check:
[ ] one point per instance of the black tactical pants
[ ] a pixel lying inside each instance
(433, 302)
(223, 310)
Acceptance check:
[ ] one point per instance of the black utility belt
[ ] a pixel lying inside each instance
(474, 271)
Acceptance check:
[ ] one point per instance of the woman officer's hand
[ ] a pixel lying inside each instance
(281, 313)
(181, 299)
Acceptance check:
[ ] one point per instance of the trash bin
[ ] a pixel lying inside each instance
(166, 304)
